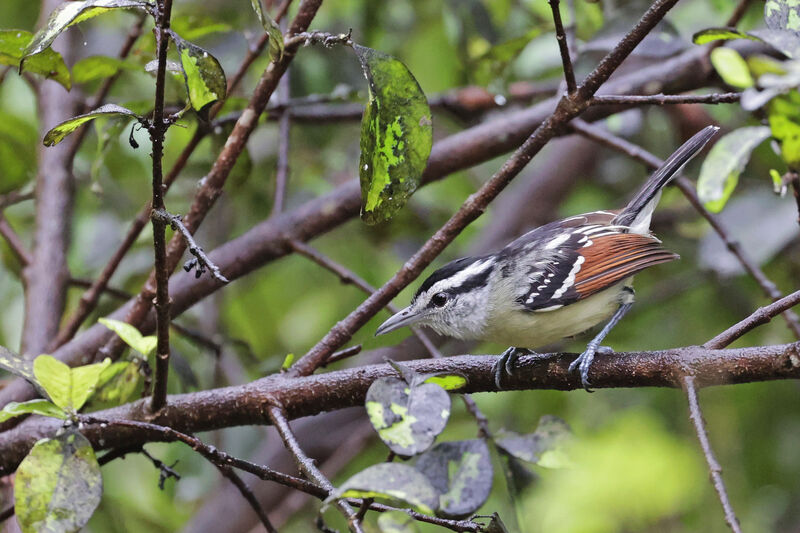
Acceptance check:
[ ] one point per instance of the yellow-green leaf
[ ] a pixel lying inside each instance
(56, 379)
(58, 133)
(205, 79)
(34, 407)
(272, 29)
(47, 63)
(731, 67)
(131, 336)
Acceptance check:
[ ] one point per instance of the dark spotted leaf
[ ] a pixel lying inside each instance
(47, 63)
(407, 417)
(726, 160)
(396, 136)
(17, 365)
(543, 447)
(395, 482)
(782, 15)
(272, 29)
(69, 13)
(97, 68)
(57, 134)
(461, 472)
(131, 336)
(58, 485)
(785, 41)
(396, 522)
(35, 407)
(205, 79)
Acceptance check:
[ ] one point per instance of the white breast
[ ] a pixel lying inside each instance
(525, 329)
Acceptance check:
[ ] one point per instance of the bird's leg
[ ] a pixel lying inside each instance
(584, 361)
(505, 365)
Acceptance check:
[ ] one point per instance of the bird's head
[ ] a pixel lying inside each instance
(452, 301)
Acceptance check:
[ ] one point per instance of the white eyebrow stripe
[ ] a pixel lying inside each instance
(460, 277)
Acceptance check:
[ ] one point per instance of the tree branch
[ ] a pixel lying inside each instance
(201, 260)
(278, 417)
(563, 47)
(696, 416)
(304, 396)
(248, 495)
(663, 99)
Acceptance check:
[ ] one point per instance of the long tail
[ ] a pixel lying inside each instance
(637, 213)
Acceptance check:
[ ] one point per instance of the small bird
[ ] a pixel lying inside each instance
(555, 281)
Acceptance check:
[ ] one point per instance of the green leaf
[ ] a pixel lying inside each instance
(194, 26)
(396, 136)
(58, 485)
(448, 382)
(35, 407)
(396, 522)
(98, 67)
(395, 482)
(272, 29)
(47, 63)
(408, 418)
(131, 336)
(777, 182)
(69, 13)
(784, 123)
(731, 67)
(287, 361)
(116, 385)
(721, 34)
(69, 388)
(462, 474)
(56, 379)
(19, 366)
(205, 79)
(544, 447)
(57, 134)
(782, 15)
(726, 160)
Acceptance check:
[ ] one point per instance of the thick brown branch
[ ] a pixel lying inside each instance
(663, 99)
(305, 396)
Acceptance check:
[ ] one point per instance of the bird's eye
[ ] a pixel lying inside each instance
(439, 299)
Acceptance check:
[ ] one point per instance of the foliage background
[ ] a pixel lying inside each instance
(638, 466)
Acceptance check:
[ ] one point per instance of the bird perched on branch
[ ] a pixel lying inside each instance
(555, 281)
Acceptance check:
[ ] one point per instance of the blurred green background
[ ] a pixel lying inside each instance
(638, 466)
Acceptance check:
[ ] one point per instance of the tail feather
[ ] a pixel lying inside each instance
(638, 211)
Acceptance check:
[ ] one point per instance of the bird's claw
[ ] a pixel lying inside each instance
(505, 365)
(584, 361)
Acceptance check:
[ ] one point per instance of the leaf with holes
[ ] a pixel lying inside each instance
(69, 388)
(32, 407)
(272, 29)
(396, 136)
(407, 417)
(544, 447)
(69, 13)
(131, 336)
(57, 134)
(462, 474)
(726, 160)
(47, 63)
(395, 482)
(58, 485)
(205, 79)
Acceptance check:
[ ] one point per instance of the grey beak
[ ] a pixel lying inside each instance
(404, 317)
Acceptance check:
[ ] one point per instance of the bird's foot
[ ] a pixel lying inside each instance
(505, 365)
(584, 361)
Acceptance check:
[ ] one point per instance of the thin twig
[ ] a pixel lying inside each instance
(453, 525)
(663, 99)
(14, 197)
(201, 262)
(14, 242)
(738, 13)
(284, 132)
(619, 144)
(306, 464)
(164, 471)
(326, 39)
(114, 292)
(158, 131)
(248, 495)
(563, 46)
(696, 415)
(760, 316)
(343, 354)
